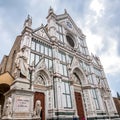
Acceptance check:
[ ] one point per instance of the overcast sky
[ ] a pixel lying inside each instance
(98, 19)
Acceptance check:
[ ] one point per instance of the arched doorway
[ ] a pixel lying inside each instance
(3, 89)
(39, 95)
(41, 81)
(78, 79)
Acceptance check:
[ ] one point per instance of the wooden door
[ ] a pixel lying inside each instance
(41, 97)
(79, 106)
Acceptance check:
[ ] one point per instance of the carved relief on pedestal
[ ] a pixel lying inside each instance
(8, 108)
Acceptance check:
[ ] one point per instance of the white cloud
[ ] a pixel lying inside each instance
(94, 41)
(110, 58)
(97, 7)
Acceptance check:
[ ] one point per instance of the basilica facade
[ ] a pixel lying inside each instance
(50, 75)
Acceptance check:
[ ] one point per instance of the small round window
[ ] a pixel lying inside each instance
(70, 41)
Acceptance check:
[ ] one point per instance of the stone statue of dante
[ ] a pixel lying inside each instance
(21, 63)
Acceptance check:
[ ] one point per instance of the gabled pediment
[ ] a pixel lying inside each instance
(77, 70)
(75, 62)
(41, 73)
(69, 24)
(95, 60)
(41, 31)
(41, 65)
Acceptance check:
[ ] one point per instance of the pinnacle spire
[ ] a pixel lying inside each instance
(50, 10)
(65, 11)
(28, 21)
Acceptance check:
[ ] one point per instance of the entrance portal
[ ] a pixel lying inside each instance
(41, 97)
(79, 105)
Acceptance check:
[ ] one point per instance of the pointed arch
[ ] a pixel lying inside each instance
(42, 73)
(43, 76)
(79, 74)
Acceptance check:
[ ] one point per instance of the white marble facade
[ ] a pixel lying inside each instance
(62, 67)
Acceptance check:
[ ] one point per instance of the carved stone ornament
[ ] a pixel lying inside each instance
(39, 80)
(41, 32)
(75, 62)
(75, 79)
(8, 108)
(41, 65)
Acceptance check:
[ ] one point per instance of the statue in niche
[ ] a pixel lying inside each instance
(38, 108)
(75, 78)
(21, 63)
(41, 81)
(8, 109)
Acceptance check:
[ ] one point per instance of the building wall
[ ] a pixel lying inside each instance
(3, 64)
(117, 104)
(8, 62)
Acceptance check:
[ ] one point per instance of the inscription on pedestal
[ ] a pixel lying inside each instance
(22, 104)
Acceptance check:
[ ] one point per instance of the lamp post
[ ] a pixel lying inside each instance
(31, 69)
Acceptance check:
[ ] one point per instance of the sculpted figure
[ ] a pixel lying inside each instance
(40, 80)
(8, 109)
(21, 63)
(38, 108)
(75, 79)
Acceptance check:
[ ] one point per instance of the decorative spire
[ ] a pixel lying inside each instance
(50, 10)
(28, 22)
(65, 11)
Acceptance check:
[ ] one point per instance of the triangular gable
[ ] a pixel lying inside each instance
(75, 62)
(68, 23)
(41, 68)
(95, 60)
(41, 65)
(41, 31)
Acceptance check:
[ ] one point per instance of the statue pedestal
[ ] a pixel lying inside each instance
(21, 83)
(22, 101)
